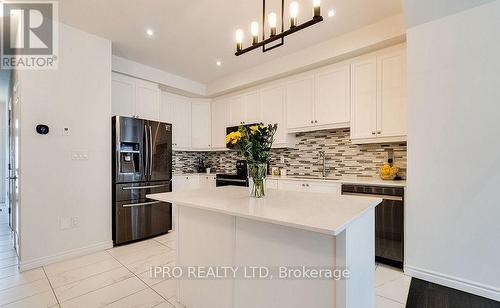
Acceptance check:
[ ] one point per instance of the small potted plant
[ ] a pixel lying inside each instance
(254, 143)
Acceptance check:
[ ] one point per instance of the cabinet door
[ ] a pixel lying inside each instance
(147, 100)
(251, 108)
(165, 107)
(364, 99)
(193, 182)
(333, 97)
(299, 102)
(181, 122)
(331, 188)
(219, 124)
(392, 95)
(236, 111)
(272, 107)
(291, 185)
(123, 95)
(179, 183)
(200, 124)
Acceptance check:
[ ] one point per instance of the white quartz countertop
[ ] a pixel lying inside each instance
(318, 212)
(343, 180)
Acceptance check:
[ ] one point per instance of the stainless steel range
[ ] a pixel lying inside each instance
(240, 178)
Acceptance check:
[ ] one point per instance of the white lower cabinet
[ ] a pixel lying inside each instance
(310, 186)
(192, 181)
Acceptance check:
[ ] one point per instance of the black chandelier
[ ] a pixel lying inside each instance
(273, 35)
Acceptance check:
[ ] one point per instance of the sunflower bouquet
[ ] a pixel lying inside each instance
(254, 143)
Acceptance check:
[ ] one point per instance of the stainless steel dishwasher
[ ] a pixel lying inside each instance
(389, 221)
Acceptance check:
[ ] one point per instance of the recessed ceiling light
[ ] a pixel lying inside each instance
(149, 32)
(219, 63)
(331, 13)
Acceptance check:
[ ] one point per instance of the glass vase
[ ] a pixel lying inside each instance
(257, 174)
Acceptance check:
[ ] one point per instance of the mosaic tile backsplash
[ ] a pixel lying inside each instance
(342, 157)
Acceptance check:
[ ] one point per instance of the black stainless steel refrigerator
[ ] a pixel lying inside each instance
(142, 164)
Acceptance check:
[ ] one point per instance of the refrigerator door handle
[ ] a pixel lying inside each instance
(146, 146)
(141, 204)
(144, 187)
(150, 151)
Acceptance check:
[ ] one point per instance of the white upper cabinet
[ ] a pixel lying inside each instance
(379, 97)
(200, 124)
(181, 121)
(147, 98)
(364, 99)
(392, 95)
(319, 99)
(251, 108)
(236, 111)
(123, 95)
(219, 124)
(300, 100)
(132, 97)
(272, 108)
(333, 98)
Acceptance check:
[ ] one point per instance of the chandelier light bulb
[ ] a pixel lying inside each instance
(316, 8)
(273, 20)
(239, 39)
(254, 29)
(294, 11)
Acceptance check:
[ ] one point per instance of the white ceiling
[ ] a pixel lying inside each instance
(191, 35)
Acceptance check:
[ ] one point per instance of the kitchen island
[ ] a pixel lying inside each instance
(271, 245)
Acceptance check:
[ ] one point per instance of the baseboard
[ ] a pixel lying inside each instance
(454, 282)
(65, 255)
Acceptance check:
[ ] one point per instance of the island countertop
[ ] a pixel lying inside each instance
(318, 212)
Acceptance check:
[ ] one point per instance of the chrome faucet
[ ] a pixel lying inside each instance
(322, 155)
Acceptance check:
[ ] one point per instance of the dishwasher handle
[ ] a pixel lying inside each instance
(385, 197)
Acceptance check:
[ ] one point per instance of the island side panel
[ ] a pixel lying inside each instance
(270, 245)
(204, 239)
(355, 249)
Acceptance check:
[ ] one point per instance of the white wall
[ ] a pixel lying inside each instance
(76, 95)
(453, 205)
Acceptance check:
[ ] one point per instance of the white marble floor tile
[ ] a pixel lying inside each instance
(166, 304)
(382, 302)
(92, 283)
(107, 295)
(76, 263)
(155, 260)
(151, 280)
(167, 288)
(23, 291)
(21, 278)
(175, 303)
(142, 299)
(396, 290)
(131, 248)
(41, 300)
(142, 254)
(385, 274)
(66, 277)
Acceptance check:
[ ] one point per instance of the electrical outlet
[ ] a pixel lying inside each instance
(64, 223)
(221, 160)
(79, 155)
(282, 159)
(74, 222)
(66, 131)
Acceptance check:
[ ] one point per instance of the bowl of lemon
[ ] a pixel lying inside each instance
(388, 171)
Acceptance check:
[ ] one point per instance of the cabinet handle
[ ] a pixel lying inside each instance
(373, 133)
(307, 185)
(379, 132)
(315, 121)
(312, 121)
